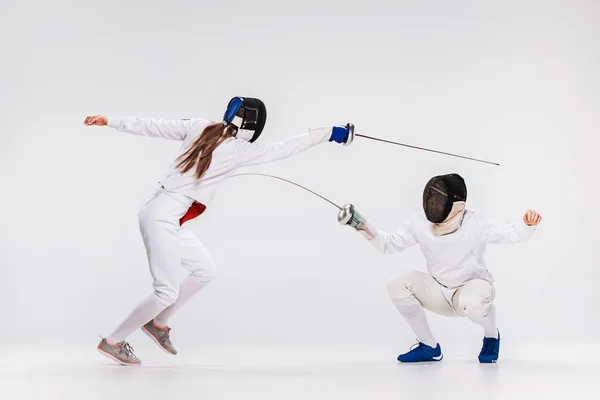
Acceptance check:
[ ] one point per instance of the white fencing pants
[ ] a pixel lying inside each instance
(168, 247)
(413, 291)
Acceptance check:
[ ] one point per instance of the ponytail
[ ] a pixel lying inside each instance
(199, 154)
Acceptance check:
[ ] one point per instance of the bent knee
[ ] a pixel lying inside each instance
(477, 310)
(203, 276)
(399, 285)
(476, 304)
(166, 295)
(204, 273)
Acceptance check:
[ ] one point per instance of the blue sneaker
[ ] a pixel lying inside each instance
(422, 353)
(490, 350)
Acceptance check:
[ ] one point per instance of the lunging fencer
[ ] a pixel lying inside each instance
(453, 241)
(210, 153)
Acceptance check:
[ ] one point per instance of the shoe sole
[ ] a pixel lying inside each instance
(155, 340)
(421, 362)
(115, 359)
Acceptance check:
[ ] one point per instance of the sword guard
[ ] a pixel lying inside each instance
(351, 134)
(346, 214)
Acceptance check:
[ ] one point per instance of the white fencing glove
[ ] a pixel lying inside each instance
(349, 216)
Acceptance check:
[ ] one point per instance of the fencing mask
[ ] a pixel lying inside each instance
(250, 125)
(440, 194)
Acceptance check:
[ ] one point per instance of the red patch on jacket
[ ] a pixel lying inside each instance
(195, 210)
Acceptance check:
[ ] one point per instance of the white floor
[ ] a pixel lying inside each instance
(295, 373)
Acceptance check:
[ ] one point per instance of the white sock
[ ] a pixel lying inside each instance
(188, 289)
(488, 323)
(144, 312)
(413, 311)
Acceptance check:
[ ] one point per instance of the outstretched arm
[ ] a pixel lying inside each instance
(385, 242)
(260, 153)
(166, 129)
(502, 232)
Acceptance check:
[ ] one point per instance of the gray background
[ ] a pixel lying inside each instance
(515, 82)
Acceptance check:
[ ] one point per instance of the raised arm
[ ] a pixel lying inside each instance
(504, 232)
(384, 242)
(173, 129)
(260, 153)
(166, 129)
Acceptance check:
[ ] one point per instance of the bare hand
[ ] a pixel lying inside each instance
(532, 218)
(98, 120)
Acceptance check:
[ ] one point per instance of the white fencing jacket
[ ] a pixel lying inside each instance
(227, 157)
(455, 258)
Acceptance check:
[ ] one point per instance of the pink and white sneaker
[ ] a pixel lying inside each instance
(160, 336)
(121, 352)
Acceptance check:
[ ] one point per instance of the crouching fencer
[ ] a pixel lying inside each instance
(453, 240)
(210, 153)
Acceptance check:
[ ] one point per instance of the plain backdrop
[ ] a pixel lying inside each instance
(515, 82)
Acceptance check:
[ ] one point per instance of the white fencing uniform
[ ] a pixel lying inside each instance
(227, 157)
(458, 283)
(170, 246)
(458, 257)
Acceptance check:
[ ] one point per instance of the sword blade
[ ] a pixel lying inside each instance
(290, 182)
(425, 149)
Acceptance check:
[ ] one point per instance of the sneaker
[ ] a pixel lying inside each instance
(121, 352)
(160, 336)
(490, 350)
(422, 353)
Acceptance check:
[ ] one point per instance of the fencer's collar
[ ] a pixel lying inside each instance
(452, 222)
(245, 134)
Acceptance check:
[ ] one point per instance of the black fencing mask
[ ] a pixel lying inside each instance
(440, 193)
(251, 124)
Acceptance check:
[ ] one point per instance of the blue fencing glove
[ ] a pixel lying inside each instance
(339, 134)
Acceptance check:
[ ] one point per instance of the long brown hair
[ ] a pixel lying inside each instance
(199, 154)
